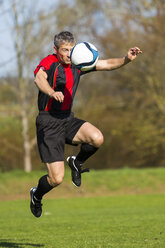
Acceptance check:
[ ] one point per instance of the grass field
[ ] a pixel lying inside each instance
(102, 222)
(16, 184)
(131, 220)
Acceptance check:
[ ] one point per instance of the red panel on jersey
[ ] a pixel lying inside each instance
(68, 89)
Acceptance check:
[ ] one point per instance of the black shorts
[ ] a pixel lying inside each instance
(53, 132)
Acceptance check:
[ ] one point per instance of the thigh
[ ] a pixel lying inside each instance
(73, 126)
(88, 133)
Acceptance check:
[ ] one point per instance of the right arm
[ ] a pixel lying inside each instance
(115, 63)
(43, 85)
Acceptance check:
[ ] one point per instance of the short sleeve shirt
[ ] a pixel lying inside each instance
(61, 77)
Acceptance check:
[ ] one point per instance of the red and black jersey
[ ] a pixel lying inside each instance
(64, 78)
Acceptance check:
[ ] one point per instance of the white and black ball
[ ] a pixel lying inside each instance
(84, 56)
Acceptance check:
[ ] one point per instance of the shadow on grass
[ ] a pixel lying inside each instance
(11, 243)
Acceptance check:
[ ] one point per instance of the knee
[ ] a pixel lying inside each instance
(97, 139)
(55, 180)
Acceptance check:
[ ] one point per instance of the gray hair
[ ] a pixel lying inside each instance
(63, 37)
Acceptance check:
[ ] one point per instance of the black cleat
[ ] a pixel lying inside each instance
(35, 205)
(76, 171)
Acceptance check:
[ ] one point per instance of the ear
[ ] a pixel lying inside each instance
(55, 49)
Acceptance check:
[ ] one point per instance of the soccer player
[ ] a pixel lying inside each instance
(57, 80)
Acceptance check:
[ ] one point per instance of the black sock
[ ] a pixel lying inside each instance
(42, 188)
(86, 151)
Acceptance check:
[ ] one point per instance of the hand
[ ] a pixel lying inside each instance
(133, 52)
(58, 96)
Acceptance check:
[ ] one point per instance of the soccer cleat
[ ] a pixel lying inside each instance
(76, 171)
(35, 205)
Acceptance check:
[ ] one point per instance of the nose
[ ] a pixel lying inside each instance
(69, 53)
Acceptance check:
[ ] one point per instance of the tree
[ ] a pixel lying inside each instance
(138, 91)
(25, 24)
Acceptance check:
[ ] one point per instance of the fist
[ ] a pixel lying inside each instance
(133, 52)
(58, 96)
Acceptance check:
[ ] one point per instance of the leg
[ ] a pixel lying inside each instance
(53, 179)
(45, 184)
(51, 141)
(55, 173)
(89, 134)
(91, 139)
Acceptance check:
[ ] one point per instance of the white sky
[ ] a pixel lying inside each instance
(6, 49)
(7, 55)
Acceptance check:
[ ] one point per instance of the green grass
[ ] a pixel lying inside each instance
(16, 184)
(95, 222)
(112, 209)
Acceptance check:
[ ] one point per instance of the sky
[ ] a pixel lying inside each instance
(6, 49)
(8, 58)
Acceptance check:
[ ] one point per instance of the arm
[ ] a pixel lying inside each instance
(112, 64)
(43, 85)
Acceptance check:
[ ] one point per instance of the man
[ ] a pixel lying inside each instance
(57, 80)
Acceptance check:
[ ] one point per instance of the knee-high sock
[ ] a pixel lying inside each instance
(42, 188)
(86, 151)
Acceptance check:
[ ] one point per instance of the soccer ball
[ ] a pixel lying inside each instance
(84, 56)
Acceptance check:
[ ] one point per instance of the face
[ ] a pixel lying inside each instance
(63, 52)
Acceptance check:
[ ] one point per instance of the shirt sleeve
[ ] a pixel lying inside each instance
(45, 64)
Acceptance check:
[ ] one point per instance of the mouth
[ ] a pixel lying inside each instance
(69, 60)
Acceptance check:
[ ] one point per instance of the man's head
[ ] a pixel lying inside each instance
(63, 43)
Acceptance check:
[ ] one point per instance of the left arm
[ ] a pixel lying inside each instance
(112, 64)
